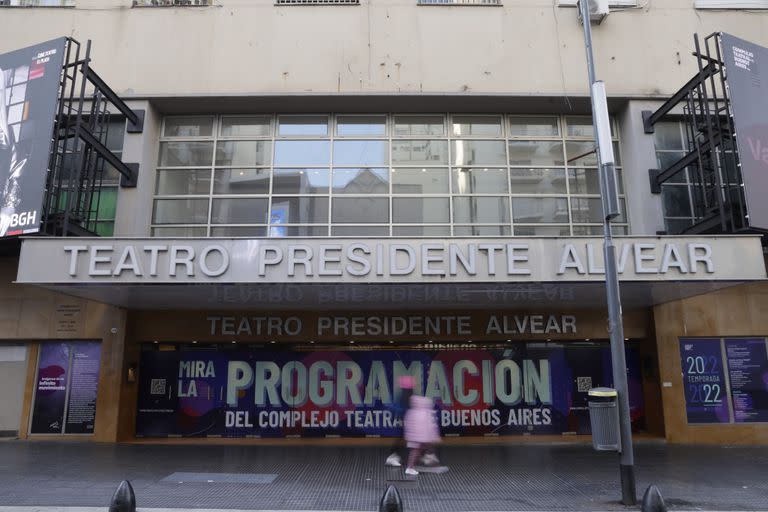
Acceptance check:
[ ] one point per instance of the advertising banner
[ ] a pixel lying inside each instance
(704, 384)
(67, 384)
(746, 66)
(84, 383)
(29, 84)
(748, 374)
(527, 388)
(51, 389)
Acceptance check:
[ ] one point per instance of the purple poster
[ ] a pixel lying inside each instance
(83, 385)
(704, 380)
(748, 374)
(524, 389)
(50, 389)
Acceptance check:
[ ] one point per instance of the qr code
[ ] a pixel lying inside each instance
(157, 387)
(584, 384)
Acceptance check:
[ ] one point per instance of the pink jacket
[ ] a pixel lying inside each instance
(420, 422)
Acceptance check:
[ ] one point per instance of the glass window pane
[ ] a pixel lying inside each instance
(183, 181)
(180, 211)
(584, 181)
(179, 231)
(486, 210)
(542, 230)
(535, 210)
(300, 181)
(421, 230)
(360, 152)
(668, 135)
(185, 153)
(290, 231)
(590, 209)
(676, 226)
(361, 125)
(299, 210)
(251, 126)
(364, 231)
(477, 125)
(425, 180)
(479, 152)
(533, 127)
(537, 181)
(583, 153)
(107, 199)
(419, 210)
(667, 158)
(361, 181)
(481, 230)
(249, 210)
(676, 201)
(416, 126)
(198, 126)
(241, 181)
(302, 152)
(580, 127)
(239, 231)
(420, 152)
(348, 210)
(243, 152)
(479, 181)
(115, 135)
(535, 152)
(302, 125)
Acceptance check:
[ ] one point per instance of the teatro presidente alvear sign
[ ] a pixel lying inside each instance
(385, 260)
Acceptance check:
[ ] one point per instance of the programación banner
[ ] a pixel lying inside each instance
(528, 388)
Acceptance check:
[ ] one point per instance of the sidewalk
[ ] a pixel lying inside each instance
(508, 477)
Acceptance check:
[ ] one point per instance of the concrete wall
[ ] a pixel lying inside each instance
(737, 311)
(252, 47)
(34, 315)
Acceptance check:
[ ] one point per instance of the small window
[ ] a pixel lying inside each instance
(611, 3)
(171, 3)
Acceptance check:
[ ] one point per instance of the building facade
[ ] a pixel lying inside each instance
(332, 194)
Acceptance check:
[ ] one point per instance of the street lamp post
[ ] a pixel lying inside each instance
(611, 209)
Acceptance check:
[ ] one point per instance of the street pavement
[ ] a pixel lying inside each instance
(54, 476)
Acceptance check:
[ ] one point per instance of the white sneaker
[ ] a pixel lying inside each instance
(430, 459)
(393, 460)
(411, 471)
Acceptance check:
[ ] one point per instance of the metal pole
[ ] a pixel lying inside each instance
(615, 326)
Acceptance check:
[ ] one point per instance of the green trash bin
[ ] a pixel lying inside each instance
(604, 419)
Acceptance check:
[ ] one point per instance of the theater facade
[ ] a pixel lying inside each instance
(297, 234)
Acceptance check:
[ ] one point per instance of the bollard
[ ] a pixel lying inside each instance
(652, 500)
(391, 501)
(124, 500)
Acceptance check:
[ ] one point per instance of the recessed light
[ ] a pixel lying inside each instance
(391, 341)
(469, 341)
(194, 341)
(272, 341)
(430, 341)
(311, 341)
(233, 341)
(509, 340)
(626, 339)
(351, 341)
(155, 342)
(549, 339)
(586, 339)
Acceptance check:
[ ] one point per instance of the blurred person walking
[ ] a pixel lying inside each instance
(399, 408)
(421, 431)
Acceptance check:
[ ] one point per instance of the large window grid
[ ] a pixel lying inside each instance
(352, 178)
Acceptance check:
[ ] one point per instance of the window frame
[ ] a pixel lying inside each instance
(731, 4)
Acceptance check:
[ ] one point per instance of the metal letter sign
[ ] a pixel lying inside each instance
(746, 65)
(29, 86)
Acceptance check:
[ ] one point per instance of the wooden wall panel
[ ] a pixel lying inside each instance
(737, 311)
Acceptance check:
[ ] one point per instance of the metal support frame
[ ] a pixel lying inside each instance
(79, 152)
(712, 161)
